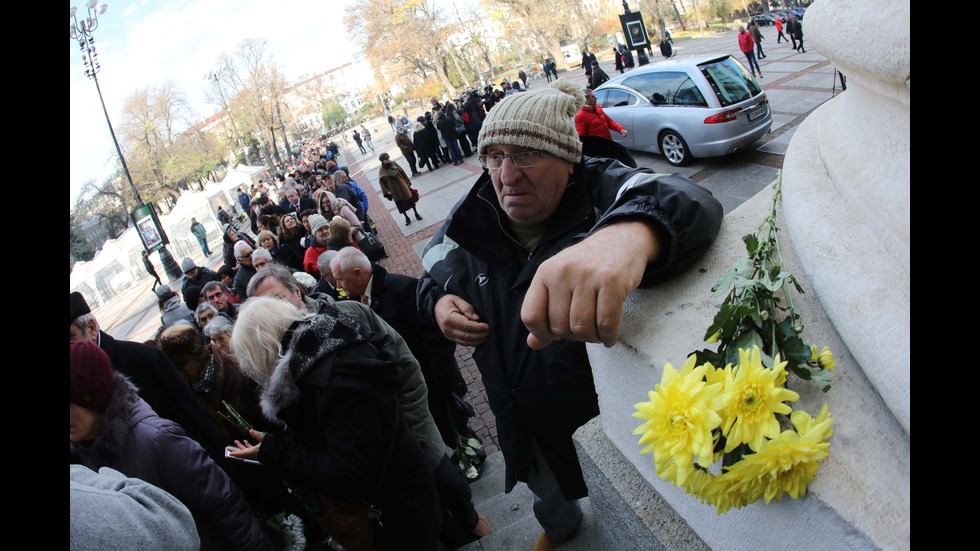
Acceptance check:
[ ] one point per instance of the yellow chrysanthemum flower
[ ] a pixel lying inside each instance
(786, 464)
(754, 395)
(697, 479)
(680, 416)
(730, 490)
(714, 338)
(826, 359)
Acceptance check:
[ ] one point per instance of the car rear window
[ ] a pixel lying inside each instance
(667, 88)
(730, 81)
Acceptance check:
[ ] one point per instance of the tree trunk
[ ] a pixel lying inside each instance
(445, 79)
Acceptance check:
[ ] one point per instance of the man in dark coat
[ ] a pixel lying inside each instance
(473, 109)
(149, 268)
(392, 297)
(195, 275)
(404, 144)
(598, 76)
(510, 274)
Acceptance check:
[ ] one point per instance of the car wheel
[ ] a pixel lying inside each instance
(673, 147)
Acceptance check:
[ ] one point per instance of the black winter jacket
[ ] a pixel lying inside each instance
(549, 393)
(336, 390)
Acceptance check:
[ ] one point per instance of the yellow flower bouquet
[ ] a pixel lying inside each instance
(715, 432)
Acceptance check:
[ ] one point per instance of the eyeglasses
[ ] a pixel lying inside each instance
(521, 159)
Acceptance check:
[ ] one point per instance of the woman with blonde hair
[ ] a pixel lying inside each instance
(334, 387)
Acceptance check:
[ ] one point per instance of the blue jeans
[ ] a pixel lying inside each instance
(753, 64)
(454, 153)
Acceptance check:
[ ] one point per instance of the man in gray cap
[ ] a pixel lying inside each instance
(538, 259)
(195, 276)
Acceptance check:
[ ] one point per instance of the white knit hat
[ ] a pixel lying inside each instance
(542, 119)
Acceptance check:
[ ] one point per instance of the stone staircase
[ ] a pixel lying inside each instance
(512, 518)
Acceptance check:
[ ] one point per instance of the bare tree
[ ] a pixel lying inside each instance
(409, 34)
(161, 159)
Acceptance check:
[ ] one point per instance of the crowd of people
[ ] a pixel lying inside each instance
(302, 380)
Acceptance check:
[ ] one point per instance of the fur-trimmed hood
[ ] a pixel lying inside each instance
(305, 346)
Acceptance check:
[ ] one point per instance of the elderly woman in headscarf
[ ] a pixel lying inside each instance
(329, 205)
(396, 187)
(334, 386)
(110, 426)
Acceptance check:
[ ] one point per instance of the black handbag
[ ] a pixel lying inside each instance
(372, 247)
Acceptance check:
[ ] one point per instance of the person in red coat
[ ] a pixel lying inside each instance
(591, 121)
(747, 45)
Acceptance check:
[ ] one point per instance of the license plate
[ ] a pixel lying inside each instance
(757, 112)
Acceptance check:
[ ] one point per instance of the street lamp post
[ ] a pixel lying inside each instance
(81, 31)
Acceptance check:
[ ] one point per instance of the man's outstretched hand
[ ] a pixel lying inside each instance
(578, 294)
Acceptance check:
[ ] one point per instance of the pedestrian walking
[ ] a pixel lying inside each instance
(745, 44)
(523, 76)
(757, 38)
(201, 234)
(366, 134)
(149, 268)
(779, 27)
(798, 34)
(396, 187)
(404, 143)
(789, 29)
(598, 76)
(592, 121)
(357, 140)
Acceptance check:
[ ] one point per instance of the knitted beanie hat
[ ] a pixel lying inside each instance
(91, 380)
(187, 264)
(542, 120)
(317, 222)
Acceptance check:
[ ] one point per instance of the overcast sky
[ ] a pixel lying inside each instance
(145, 43)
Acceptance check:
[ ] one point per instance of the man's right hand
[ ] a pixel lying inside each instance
(459, 322)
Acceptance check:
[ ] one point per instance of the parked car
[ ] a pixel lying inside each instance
(687, 108)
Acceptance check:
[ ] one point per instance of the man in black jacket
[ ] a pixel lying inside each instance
(538, 259)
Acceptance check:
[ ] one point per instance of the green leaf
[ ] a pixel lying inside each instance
(791, 346)
(702, 356)
(745, 341)
(823, 377)
(742, 267)
(751, 243)
(474, 443)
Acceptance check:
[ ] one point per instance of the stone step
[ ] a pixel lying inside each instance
(512, 518)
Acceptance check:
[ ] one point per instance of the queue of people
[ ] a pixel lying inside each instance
(342, 376)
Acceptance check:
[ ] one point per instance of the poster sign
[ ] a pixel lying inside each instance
(635, 30)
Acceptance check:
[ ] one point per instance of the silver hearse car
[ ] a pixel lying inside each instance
(687, 108)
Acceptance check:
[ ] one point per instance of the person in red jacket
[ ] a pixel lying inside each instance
(591, 121)
(747, 45)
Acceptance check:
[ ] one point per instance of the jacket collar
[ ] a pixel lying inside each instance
(305, 345)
